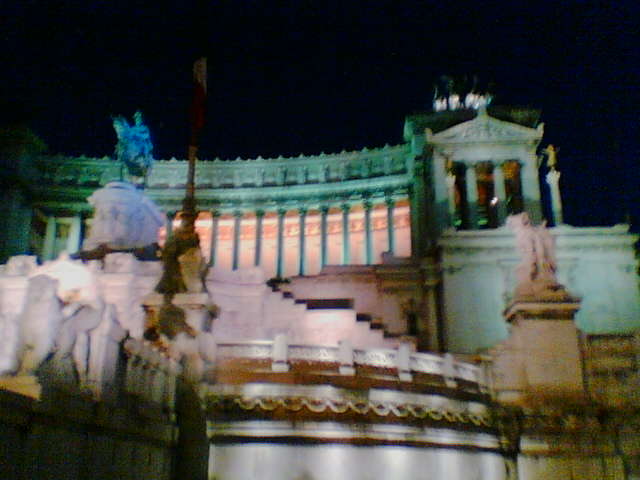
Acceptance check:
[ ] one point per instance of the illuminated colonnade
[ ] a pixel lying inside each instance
(246, 203)
(293, 215)
(301, 241)
(482, 194)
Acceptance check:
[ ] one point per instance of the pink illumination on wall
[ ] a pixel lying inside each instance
(357, 235)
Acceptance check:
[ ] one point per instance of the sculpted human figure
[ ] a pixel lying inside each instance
(40, 322)
(538, 266)
(62, 306)
(72, 341)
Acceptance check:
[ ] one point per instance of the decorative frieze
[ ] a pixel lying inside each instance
(346, 406)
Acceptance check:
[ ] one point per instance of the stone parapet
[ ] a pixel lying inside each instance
(402, 364)
(65, 182)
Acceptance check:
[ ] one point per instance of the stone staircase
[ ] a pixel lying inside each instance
(327, 321)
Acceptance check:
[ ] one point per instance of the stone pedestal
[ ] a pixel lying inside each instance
(541, 360)
(196, 306)
(186, 346)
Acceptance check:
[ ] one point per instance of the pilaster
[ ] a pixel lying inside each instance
(472, 195)
(213, 244)
(237, 225)
(500, 193)
(391, 242)
(74, 240)
(302, 215)
(50, 239)
(258, 249)
(346, 246)
(280, 244)
(324, 211)
(368, 237)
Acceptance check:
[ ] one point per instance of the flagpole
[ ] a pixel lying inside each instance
(197, 122)
(185, 237)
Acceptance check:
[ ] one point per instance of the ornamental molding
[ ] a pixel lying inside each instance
(220, 173)
(486, 129)
(290, 196)
(347, 406)
(378, 433)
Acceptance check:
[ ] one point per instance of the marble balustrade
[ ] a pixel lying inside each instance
(402, 359)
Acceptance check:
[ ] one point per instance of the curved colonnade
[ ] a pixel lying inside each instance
(291, 216)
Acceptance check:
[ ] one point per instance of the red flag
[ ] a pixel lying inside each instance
(198, 102)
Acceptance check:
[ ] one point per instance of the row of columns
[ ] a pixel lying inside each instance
(73, 241)
(302, 218)
(471, 182)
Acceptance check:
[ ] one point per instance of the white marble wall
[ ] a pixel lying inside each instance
(597, 264)
(267, 461)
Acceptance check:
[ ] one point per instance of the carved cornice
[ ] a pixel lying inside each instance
(333, 406)
(304, 182)
(290, 197)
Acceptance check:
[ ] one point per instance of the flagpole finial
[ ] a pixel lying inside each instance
(200, 72)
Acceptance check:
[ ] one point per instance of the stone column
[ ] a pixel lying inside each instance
(302, 212)
(49, 249)
(553, 179)
(420, 241)
(346, 247)
(391, 239)
(441, 163)
(529, 178)
(368, 237)
(258, 251)
(450, 179)
(75, 234)
(324, 211)
(237, 224)
(500, 193)
(169, 226)
(472, 196)
(280, 245)
(213, 244)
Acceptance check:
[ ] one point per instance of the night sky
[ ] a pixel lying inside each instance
(304, 77)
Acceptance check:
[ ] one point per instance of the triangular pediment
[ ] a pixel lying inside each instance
(486, 129)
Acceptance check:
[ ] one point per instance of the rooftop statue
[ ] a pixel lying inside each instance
(537, 270)
(552, 156)
(134, 148)
(124, 218)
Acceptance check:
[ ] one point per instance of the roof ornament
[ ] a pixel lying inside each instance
(459, 94)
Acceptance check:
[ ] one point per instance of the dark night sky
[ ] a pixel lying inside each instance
(298, 77)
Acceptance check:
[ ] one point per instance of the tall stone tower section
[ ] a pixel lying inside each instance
(482, 165)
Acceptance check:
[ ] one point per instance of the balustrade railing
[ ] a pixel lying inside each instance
(403, 360)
